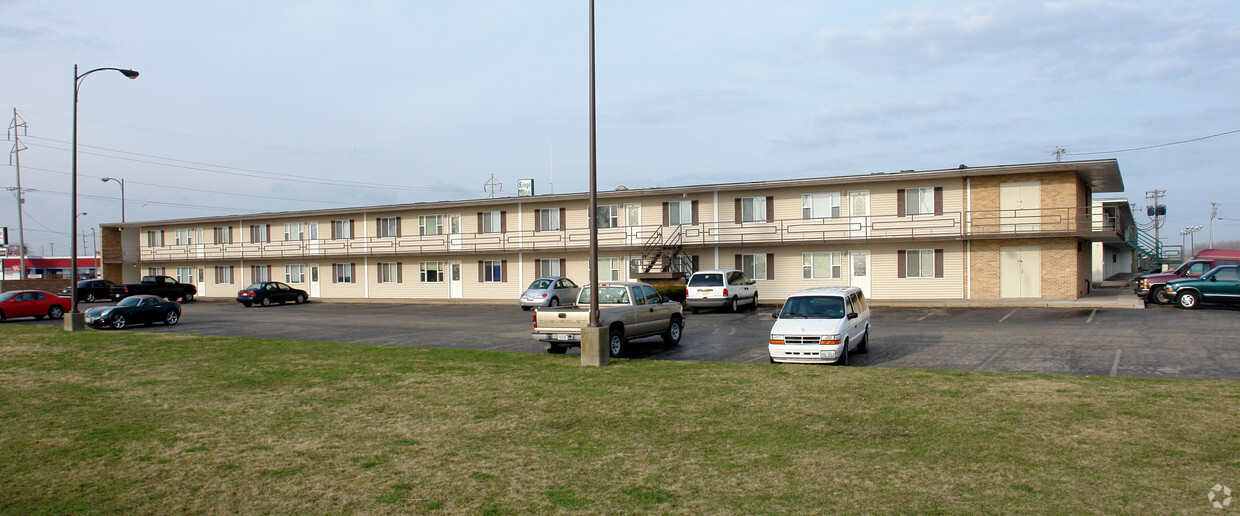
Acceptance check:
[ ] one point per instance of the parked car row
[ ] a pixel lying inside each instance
(1151, 287)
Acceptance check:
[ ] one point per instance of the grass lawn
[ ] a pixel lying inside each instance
(129, 422)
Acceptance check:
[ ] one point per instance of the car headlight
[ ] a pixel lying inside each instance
(829, 340)
(776, 339)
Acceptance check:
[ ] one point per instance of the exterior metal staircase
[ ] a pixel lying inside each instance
(1151, 253)
(662, 257)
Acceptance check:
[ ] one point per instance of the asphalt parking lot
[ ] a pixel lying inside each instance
(1161, 342)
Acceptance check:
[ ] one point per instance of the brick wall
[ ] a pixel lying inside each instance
(1065, 267)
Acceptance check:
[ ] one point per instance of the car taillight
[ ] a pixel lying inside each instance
(725, 292)
(686, 291)
(544, 294)
(535, 319)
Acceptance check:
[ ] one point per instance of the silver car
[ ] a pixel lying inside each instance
(545, 292)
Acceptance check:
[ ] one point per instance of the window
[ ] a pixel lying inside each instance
(608, 216)
(222, 235)
(312, 230)
(492, 271)
(609, 269)
(295, 273)
(821, 265)
(185, 274)
(753, 209)
(680, 213)
(548, 268)
(430, 225)
(548, 219)
(430, 272)
(388, 227)
(184, 237)
(389, 272)
(260, 273)
(1228, 274)
(919, 263)
(754, 266)
(342, 273)
(292, 231)
(491, 222)
(223, 275)
(155, 238)
(342, 229)
(259, 233)
(820, 206)
(155, 271)
(919, 201)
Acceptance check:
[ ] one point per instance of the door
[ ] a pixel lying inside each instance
(859, 270)
(1020, 272)
(312, 238)
(859, 214)
(455, 289)
(633, 224)
(200, 280)
(1020, 207)
(314, 280)
(454, 232)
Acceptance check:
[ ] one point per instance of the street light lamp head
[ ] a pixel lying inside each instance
(132, 74)
(105, 179)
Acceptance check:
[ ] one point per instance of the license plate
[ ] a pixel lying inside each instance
(562, 336)
(704, 292)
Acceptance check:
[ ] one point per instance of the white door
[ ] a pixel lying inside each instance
(314, 281)
(312, 238)
(455, 289)
(633, 224)
(200, 280)
(859, 271)
(1020, 206)
(454, 232)
(1020, 272)
(199, 248)
(859, 215)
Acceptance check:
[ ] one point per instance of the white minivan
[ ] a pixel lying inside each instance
(821, 326)
(722, 289)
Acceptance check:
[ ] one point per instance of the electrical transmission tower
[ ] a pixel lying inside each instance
(16, 160)
(492, 184)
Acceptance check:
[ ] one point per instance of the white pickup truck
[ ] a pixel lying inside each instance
(629, 310)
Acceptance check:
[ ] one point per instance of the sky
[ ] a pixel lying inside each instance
(248, 107)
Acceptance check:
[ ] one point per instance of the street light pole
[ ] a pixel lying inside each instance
(122, 182)
(76, 321)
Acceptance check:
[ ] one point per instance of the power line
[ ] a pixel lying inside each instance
(1060, 151)
(186, 188)
(157, 203)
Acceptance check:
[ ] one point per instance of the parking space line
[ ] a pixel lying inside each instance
(986, 362)
(1008, 315)
(1115, 365)
(925, 316)
(1091, 316)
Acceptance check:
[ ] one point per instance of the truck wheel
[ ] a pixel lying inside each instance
(1159, 297)
(188, 297)
(90, 298)
(671, 336)
(266, 301)
(1187, 299)
(118, 322)
(171, 317)
(55, 312)
(615, 343)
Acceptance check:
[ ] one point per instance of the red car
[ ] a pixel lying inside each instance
(33, 303)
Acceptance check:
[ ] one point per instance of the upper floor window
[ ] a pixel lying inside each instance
(491, 222)
(184, 237)
(680, 213)
(919, 201)
(754, 209)
(222, 235)
(259, 233)
(387, 227)
(548, 219)
(155, 238)
(608, 216)
(430, 225)
(342, 229)
(293, 231)
(820, 206)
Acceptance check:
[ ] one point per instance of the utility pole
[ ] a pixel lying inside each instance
(1213, 215)
(492, 184)
(21, 197)
(1157, 211)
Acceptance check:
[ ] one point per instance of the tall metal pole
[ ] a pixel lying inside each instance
(593, 190)
(21, 197)
(122, 182)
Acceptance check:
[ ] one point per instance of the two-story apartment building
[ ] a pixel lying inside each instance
(965, 233)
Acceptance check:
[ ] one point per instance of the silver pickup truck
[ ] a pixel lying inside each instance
(629, 310)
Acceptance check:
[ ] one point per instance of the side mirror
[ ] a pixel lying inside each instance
(775, 315)
(852, 315)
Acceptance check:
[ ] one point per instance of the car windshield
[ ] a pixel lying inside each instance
(129, 301)
(815, 307)
(607, 296)
(7, 296)
(256, 286)
(540, 284)
(706, 280)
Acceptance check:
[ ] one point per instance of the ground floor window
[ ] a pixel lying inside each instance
(430, 272)
(609, 269)
(549, 268)
(754, 266)
(920, 263)
(342, 273)
(260, 273)
(492, 271)
(295, 273)
(223, 275)
(185, 274)
(389, 272)
(821, 265)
